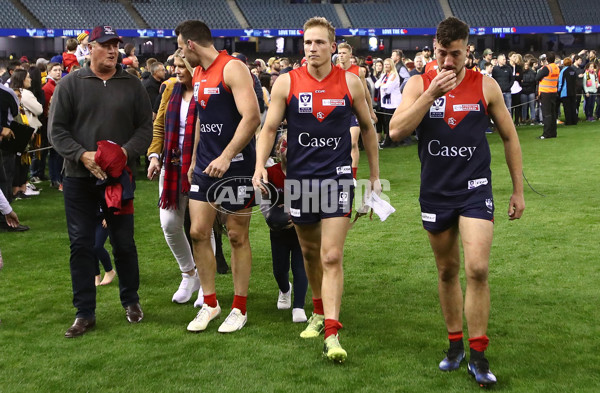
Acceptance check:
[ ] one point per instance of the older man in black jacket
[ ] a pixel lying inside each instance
(99, 103)
(153, 82)
(503, 74)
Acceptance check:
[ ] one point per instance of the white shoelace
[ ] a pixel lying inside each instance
(231, 319)
(203, 310)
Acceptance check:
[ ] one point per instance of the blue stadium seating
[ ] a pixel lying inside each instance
(395, 13)
(167, 14)
(502, 13)
(264, 14)
(12, 18)
(580, 12)
(79, 14)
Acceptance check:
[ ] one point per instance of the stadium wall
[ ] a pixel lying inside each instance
(34, 47)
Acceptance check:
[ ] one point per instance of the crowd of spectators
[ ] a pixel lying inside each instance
(517, 75)
(32, 85)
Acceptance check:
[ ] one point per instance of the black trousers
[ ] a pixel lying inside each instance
(569, 103)
(286, 251)
(548, 102)
(81, 205)
(380, 119)
(21, 171)
(386, 125)
(7, 173)
(516, 108)
(99, 250)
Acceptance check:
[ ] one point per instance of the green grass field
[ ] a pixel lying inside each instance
(544, 277)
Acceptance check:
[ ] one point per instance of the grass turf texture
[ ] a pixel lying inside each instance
(544, 279)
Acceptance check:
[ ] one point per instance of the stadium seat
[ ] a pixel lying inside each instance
(264, 14)
(167, 14)
(12, 18)
(79, 14)
(395, 13)
(504, 13)
(580, 12)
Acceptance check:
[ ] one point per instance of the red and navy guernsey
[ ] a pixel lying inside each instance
(219, 119)
(354, 69)
(318, 114)
(453, 148)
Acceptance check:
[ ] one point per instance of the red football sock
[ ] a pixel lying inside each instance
(239, 302)
(210, 300)
(318, 306)
(479, 344)
(455, 336)
(354, 170)
(331, 327)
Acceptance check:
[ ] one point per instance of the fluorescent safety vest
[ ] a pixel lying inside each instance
(550, 83)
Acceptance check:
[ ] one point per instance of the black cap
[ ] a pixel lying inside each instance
(103, 34)
(426, 48)
(243, 58)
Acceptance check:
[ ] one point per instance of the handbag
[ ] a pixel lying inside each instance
(22, 137)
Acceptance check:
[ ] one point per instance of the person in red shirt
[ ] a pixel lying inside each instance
(54, 71)
(285, 247)
(55, 160)
(69, 58)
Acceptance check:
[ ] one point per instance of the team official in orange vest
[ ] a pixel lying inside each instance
(547, 77)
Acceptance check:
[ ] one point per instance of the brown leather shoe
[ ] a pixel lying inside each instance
(134, 313)
(79, 327)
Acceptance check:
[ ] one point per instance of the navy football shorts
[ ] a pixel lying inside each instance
(438, 219)
(230, 193)
(315, 200)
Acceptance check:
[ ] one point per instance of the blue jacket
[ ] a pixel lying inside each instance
(567, 82)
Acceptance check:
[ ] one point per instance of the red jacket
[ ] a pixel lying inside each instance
(69, 60)
(48, 88)
(119, 189)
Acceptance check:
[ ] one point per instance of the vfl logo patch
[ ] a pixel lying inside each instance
(477, 182)
(211, 90)
(305, 103)
(429, 217)
(334, 102)
(241, 191)
(466, 108)
(489, 203)
(194, 188)
(438, 108)
(294, 212)
(196, 89)
(343, 198)
(342, 170)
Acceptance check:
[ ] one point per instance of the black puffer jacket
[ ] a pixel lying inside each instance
(528, 82)
(504, 76)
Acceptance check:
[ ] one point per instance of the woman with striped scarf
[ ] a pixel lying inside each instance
(170, 155)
